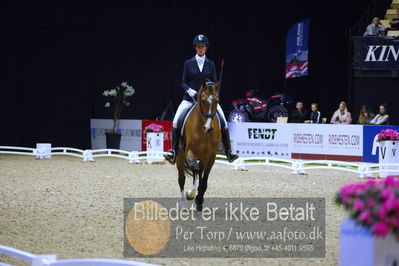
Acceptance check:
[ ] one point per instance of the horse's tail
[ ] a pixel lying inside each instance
(193, 169)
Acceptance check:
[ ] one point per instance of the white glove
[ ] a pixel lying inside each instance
(191, 92)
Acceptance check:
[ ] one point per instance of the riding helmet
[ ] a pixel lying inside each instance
(200, 39)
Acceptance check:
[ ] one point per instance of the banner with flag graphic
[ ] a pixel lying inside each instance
(297, 48)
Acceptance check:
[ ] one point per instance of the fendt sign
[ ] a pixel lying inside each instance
(375, 53)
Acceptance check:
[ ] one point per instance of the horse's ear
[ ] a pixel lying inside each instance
(217, 85)
(205, 81)
(202, 87)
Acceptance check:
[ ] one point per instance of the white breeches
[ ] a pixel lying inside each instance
(221, 115)
(184, 105)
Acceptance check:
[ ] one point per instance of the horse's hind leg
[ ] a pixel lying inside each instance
(182, 177)
(195, 167)
(196, 179)
(192, 162)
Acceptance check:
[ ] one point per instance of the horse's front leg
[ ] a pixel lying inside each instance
(203, 185)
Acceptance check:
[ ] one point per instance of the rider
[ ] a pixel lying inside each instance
(196, 70)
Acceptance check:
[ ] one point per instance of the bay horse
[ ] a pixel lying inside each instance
(200, 140)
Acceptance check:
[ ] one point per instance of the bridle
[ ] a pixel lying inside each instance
(208, 116)
(209, 99)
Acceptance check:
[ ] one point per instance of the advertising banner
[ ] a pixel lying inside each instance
(130, 130)
(167, 125)
(260, 139)
(376, 53)
(297, 50)
(307, 139)
(327, 142)
(298, 141)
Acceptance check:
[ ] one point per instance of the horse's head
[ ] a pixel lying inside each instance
(208, 99)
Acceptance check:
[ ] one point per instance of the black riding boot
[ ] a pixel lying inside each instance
(175, 147)
(227, 147)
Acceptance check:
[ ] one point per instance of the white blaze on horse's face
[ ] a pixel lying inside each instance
(209, 99)
(212, 101)
(209, 120)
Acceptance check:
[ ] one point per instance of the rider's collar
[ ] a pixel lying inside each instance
(202, 58)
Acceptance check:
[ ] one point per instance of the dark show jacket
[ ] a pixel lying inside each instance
(193, 78)
(315, 117)
(299, 117)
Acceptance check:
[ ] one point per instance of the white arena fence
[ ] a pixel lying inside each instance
(296, 166)
(51, 260)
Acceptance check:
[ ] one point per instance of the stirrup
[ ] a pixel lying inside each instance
(171, 158)
(231, 157)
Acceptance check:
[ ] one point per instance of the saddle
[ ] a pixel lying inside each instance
(183, 119)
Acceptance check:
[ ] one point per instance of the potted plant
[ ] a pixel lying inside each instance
(120, 96)
(370, 236)
(154, 141)
(388, 142)
(153, 128)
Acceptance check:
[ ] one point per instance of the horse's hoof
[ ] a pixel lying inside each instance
(190, 194)
(199, 208)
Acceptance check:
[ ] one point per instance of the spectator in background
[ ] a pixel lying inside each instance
(315, 116)
(382, 118)
(395, 21)
(342, 115)
(375, 28)
(299, 115)
(365, 116)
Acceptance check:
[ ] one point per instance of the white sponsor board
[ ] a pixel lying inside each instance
(346, 140)
(286, 140)
(260, 139)
(130, 130)
(388, 154)
(154, 146)
(43, 150)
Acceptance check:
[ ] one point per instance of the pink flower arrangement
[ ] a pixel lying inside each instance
(153, 128)
(388, 134)
(374, 204)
